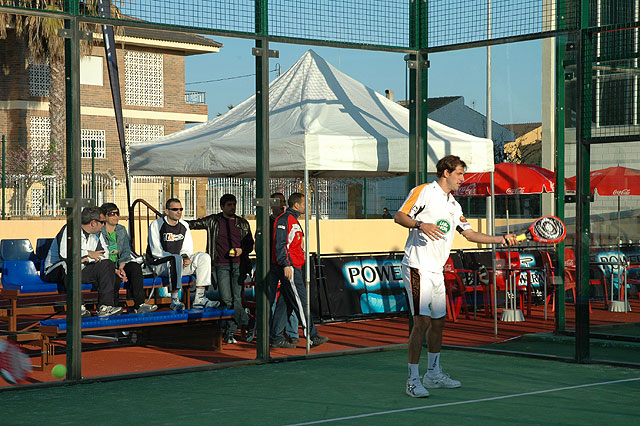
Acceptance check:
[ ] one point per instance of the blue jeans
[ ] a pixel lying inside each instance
(230, 289)
(295, 296)
(291, 329)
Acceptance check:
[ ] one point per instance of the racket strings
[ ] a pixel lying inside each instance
(549, 228)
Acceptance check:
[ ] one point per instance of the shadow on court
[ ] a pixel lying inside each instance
(365, 389)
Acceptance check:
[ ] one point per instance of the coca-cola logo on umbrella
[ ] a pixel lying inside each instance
(466, 190)
(518, 190)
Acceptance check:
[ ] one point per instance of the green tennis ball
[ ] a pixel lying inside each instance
(59, 371)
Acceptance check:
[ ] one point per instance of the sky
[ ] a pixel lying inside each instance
(516, 74)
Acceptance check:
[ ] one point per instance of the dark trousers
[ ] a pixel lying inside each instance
(134, 287)
(100, 274)
(292, 322)
(231, 285)
(295, 297)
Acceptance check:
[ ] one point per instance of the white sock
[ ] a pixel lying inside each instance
(174, 296)
(414, 372)
(434, 363)
(200, 292)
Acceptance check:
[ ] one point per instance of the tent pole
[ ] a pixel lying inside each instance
(491, 218)
(317, 196)
(307, 269)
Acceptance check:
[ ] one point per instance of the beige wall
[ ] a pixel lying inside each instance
(336, 236)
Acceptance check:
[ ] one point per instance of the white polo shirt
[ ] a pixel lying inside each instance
(428, 203)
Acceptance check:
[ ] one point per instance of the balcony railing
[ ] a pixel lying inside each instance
(193, 97)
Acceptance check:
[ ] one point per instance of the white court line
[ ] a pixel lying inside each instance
(449, 404)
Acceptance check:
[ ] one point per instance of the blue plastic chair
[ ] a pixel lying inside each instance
(22, 275)
(17, 249)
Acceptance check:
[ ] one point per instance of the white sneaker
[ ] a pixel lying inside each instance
(106, 310)
(84, 312)
(145, 309)
(204, 303)
(415, 388)
(440, 380)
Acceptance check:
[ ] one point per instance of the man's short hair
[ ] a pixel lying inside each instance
(226, 198)
(276, 194)
(450, 163)
(90, 213)
(294, 198)
(171, 201)
(107, 207)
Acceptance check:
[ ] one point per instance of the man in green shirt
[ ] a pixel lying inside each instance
(127, 270)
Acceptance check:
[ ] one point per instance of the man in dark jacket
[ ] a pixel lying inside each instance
(289, 259)
(229, 242)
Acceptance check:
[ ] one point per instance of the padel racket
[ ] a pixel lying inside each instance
(545, 230)
(14, 364)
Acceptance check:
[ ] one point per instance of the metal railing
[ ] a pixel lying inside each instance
(195, 98)
(25, 197)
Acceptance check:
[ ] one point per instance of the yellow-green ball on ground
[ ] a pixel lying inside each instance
(59, 371)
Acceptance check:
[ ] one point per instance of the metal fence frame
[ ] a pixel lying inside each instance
(415, 27)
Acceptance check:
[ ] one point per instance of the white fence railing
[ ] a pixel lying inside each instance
(42, 197)
(333, 194)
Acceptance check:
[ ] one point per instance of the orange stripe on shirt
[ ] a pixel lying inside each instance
(411, 201)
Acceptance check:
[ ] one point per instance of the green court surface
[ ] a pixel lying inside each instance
(365, 389)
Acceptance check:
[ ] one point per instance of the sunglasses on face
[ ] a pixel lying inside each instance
(176, 209)
(114, 213)
(100, 221)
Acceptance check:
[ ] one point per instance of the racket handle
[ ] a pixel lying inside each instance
(520, 238)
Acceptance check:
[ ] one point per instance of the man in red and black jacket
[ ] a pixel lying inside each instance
(288, 256)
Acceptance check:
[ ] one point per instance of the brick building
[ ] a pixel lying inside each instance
(154, 101)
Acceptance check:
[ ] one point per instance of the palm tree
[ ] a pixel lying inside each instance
(45, 46)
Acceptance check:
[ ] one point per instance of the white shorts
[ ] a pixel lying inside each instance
(426, 292)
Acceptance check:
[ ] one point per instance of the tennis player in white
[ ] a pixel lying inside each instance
(432, 215)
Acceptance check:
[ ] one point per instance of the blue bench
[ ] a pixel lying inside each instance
(54, 328)
(23, 291)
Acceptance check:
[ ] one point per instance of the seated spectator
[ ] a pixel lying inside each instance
(97, 269)
(170, 253)
(127, 270)
(386, 214)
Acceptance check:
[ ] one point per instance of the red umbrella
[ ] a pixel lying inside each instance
(509, 179)
(618, 181)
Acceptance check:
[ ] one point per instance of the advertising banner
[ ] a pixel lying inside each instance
(362, 285)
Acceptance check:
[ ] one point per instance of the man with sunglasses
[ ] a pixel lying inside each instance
(97, 269)
(170, 253)
(127, 270)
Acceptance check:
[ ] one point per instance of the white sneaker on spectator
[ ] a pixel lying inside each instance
(106, 310)
(415, 388)
(203, 303)
(84, 312)
(440, 380)
(145, 309)
(176, 305)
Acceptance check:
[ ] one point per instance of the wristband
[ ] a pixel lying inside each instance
(418, 224)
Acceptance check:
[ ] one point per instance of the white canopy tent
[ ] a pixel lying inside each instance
(322, 123)
(320, 120)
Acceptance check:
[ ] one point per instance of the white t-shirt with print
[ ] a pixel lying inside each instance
(428, 203)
